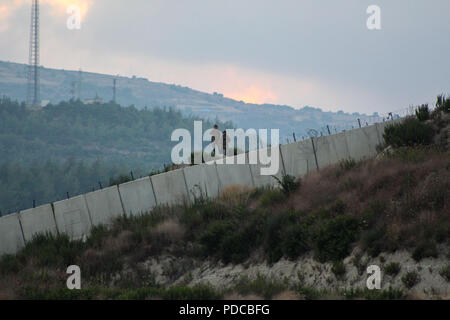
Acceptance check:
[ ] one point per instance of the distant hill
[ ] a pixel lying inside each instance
(109, 132)
(61, 85)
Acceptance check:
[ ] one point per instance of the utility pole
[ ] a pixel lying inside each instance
(114, 90)
(79, 84)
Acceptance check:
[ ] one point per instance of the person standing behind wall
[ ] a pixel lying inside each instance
(216, 140)
(225, 143)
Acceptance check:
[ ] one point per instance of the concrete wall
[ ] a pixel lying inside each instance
(331, 149)
(362, 142)
(39, 220)
(170, 187)
(234, 174)
(265, 180)
(104, 205)
(11, 238)
(72, 217)
(298, 158)
(202, 181)
(137, 196)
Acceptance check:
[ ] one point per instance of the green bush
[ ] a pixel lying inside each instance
(389, 294)
(445, 272)
(261, 286)
(190, 293)
(9, 263)
(295, 241)
(422, 112)
(410, 132)
(373, 240)
(392, 269)
(48, 250)
(309, 293)
(334, 237)
(288, 183)
(271, 197)
(275, 227)
(410, 279)
(212, 238)
(338, 269)
(237, 246)
(424, 250)
(443, 103)
(347, 164)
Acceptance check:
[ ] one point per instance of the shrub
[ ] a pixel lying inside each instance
(260, 286)
(309, 293)
(410, 132)
(212, 238)
(422, 112)
(334, 238)
(445, 272)
(9, 263)
(443, 103)
(389, 294)
(288, 183)
(338, 269)
(295, 241)
(392, 269)
(271, 197)
(424, 250)
(237, 246)
(410, 279)
(347, 164)
(191, 293)
(36, 293)
(274, 232)
(373, 240)
(46, 250)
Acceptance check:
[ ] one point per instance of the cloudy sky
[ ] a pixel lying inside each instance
(294, 52)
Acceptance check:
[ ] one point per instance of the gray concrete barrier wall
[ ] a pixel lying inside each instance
(137, 196)
(362, 142)
(234, 174)
(11, 238)
(331, 149)
(72, 217)
(104, 205)
(202, 181)
(170, 187)
(299, 158)
(38, 220)
(265, 180)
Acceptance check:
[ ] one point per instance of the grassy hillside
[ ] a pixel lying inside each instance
(363, 210)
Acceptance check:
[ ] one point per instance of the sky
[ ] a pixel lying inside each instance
(293, 52)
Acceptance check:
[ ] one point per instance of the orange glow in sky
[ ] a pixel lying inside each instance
(253, 94)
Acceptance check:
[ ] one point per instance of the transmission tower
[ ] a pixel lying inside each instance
(33, 94)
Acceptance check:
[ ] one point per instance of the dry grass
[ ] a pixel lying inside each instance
(238, 296)
(234, 195)
(170, 229)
